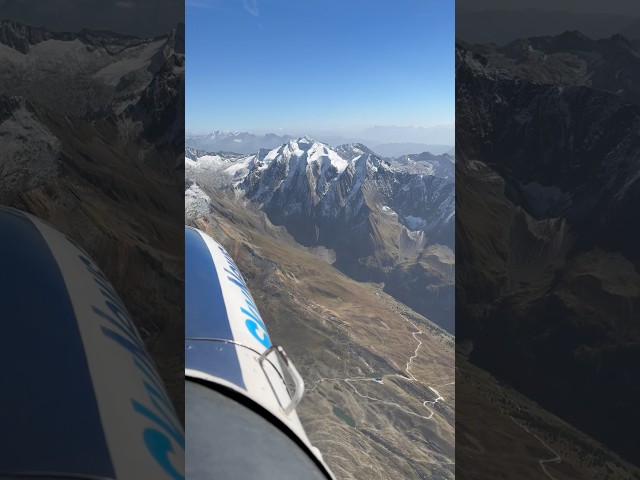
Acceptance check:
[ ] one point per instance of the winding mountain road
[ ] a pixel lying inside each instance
(408, 377)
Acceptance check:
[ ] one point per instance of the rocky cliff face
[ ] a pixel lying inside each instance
(324, 195)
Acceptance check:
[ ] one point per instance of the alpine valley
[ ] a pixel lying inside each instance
(350, 257)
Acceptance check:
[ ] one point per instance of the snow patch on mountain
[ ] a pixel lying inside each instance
(217, 169)
(196, 202)
(132, 60)
(415, 223)
(544, 200)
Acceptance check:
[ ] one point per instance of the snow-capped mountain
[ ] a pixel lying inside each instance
(378, 215)
(217, 170)
(305, 182)
(237, 142)
(320, 191)
(429, 164)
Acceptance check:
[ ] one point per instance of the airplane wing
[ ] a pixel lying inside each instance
(241, 419)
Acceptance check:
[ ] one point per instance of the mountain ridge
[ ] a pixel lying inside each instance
(22, 37)
(377, 215)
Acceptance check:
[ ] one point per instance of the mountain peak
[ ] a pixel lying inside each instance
(306, 139)
(304, 144)
(572, 40)
(306, 151)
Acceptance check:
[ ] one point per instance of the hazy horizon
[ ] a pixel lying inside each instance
(437, 134)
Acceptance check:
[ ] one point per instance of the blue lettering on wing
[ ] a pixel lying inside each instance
(258, 333)
(253, 316)
(160, 448)
(254, 323)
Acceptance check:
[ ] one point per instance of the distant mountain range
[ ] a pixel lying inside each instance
(237, 142)
(243, 142)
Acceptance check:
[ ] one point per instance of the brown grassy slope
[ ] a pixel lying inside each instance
(349, 340)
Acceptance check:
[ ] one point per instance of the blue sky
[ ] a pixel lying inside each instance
(338, 66)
